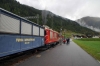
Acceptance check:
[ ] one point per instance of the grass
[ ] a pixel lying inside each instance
(91, 46)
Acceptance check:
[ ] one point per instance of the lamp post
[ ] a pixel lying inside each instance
(64, 33)
(60, 31)
(61, 36)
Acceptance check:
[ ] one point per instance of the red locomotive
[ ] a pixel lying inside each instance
(51, 36)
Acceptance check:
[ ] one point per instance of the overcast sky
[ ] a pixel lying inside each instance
(72, 9)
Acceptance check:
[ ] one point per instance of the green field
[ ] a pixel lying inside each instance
(91, 46)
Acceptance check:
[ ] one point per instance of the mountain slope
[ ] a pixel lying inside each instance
(54, 21)
(90, 22)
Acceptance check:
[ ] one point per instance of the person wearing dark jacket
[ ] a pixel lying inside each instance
(68, 40)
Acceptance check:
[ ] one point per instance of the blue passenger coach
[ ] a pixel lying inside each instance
(18, 34)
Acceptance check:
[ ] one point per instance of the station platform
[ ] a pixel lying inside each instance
(61, 55)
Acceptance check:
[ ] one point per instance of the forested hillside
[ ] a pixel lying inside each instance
(55, 22)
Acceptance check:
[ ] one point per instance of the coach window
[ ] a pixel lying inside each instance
(41, 32)
(26, 28)
(35, 30)
(9, 24)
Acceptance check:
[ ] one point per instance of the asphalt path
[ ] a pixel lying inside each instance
(61, 55)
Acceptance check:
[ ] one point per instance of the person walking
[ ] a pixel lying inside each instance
(68, 40)
(64, 41)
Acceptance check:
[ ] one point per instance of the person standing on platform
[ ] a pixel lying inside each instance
(60, 41)
(68, 40)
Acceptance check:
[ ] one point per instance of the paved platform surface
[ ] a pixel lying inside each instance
(61, 55)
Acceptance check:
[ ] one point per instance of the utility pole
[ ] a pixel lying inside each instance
(44, 16)
(61, 28)
(51, 17)
(61, 24)
(64, 33)
(37, 18)
(61, 39)
(52, 22)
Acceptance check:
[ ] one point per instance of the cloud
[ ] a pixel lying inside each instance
(91, 8)
(72, 9)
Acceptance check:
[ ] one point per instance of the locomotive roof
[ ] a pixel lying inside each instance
(51, 30)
